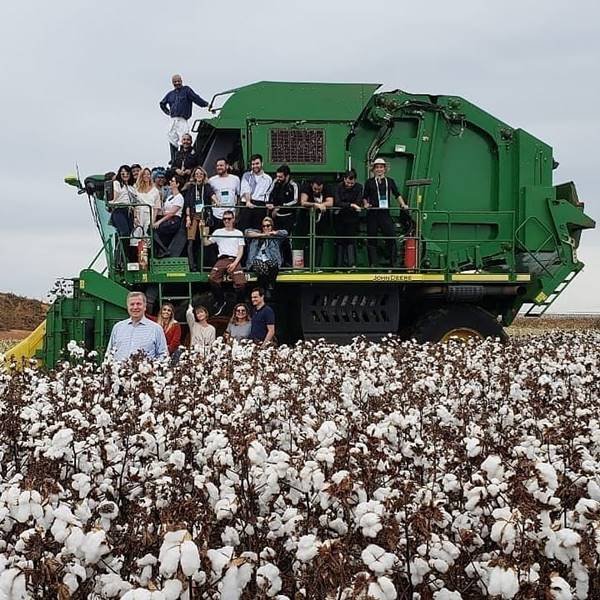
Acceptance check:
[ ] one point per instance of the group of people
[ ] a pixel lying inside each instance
(161, 336)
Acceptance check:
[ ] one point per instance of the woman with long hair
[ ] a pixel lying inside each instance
(264, 254)
(202, 334)
(239, 325)
(166, 319)
(148, 198)
(199, 196)
(124, 197)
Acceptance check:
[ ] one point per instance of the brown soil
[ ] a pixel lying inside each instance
(19, 313)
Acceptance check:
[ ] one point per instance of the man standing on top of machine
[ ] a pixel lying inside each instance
(255, 189)
(378, 192)
(177, 104)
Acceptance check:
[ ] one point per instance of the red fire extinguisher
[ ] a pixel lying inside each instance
(410, 254)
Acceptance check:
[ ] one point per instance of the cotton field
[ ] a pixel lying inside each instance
(378, 471)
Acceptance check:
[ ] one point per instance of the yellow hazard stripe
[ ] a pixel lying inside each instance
(487, 277)
(359, 277)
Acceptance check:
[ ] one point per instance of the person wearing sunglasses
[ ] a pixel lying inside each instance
(230, 244)
(264, 254)
(239, 325)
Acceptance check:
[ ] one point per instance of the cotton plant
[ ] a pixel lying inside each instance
(372, 470)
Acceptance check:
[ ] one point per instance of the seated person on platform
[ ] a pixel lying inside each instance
(202, 334)
(135, 171)
(264, 254)
(230, 244)
(199, 196)
(349, 199)
(284, 198)
(316, 195)
(185, 158)
(239, 325)
(167, 226)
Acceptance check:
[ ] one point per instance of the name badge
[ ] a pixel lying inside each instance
(224, 194)
(199, 207)
(383, 201)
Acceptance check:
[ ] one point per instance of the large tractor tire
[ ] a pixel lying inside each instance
(457, 321)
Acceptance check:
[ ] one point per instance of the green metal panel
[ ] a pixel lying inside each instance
(281, 101)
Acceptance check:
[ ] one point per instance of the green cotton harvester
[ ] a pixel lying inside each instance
(491, 234)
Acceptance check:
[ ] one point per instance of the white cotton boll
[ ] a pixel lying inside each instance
(547, 474)
(172, 589)
(71, 582)
(473, 446)
(382, 589)
(138, 594)
(13, 585)
(419, 568)
(177, 459)
(560, 589)
(230, 536)
(338, 525)
(327, 433)
(226, 508)
(493, 468)
(268, 579)
(230, 587)
(169, 558)
(308, 548)
(75, 540)
(377, 559)
(593, 490)
(190, 558)
(94, 546)
(503, 582)
(370, 523)
(257, 453)
(445, 594)
(219, 559)
(325, 455)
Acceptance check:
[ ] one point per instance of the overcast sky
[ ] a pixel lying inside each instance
(81, 82)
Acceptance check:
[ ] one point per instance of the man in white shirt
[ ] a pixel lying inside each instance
(255, 189)
(227, 189)
(137, 332)
(230, 244)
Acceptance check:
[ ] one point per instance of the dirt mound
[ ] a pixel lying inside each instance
(18, 312)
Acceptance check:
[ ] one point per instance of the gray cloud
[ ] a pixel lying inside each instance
(81, 82)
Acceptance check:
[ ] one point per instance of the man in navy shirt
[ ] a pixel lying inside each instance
(263, 318)
(177, 104)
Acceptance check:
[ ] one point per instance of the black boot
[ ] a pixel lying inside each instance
(161, 249)
(190, 256)
(340, 256)
(318, 255)
(351, 256)
(173, 150)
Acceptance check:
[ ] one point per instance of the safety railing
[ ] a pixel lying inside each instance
(315, 239)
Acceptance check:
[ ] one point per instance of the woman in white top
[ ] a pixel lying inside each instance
(168, 225)
(148, 199)
(123, 194)
(202, 335)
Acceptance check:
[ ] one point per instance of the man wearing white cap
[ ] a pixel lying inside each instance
(378, 193)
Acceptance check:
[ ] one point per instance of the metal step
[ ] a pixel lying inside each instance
(537, 309)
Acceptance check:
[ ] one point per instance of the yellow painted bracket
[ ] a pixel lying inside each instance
(27, 348)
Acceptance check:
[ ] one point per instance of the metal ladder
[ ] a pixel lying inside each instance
(538, 309)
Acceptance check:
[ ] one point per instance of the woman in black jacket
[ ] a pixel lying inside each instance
(199, 197)
(348, 198)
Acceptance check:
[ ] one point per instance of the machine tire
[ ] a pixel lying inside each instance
(463, 320)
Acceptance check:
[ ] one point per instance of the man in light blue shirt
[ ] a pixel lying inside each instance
(137, 333)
